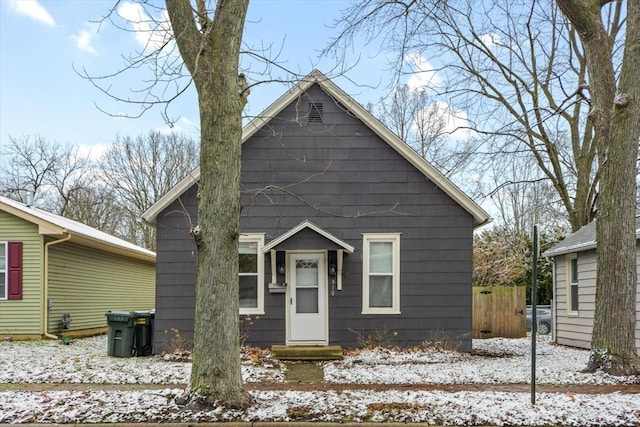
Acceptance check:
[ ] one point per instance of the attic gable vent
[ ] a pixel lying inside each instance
(315, 112)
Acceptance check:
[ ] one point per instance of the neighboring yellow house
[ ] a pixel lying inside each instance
(53, 269)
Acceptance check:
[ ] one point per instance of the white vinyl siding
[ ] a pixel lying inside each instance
(251, 274)
(381, 273)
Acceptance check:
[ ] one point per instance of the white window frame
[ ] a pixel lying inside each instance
(259, 239)
(394, 239)
(570, 283)
(5, 271)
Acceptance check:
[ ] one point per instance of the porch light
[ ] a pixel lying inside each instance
(333, 270)
(281, 269)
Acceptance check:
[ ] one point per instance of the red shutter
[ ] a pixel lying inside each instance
(15, 270)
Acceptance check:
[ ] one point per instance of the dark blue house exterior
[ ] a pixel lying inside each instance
(346, 233)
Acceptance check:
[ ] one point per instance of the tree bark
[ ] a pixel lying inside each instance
(616, 121)
(211, 53)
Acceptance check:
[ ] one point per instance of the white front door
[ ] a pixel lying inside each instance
(307, 299)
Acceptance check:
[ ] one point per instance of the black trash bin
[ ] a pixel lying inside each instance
(143, 340)
(130, 333)
(121, 326)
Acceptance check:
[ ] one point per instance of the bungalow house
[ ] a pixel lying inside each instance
(347, 234)
(58, 276)
(574, 287)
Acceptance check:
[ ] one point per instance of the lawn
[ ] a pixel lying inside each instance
(48, 382)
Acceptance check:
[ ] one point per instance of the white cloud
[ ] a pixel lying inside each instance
(33, 9)
(490, 39)
(93, 152)
(150, 33)
(187, 126)
(84, 38)
(441, 118)
(168, 130)
(187, 122)
(423, 74)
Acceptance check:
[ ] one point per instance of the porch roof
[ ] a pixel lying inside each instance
(303, 226)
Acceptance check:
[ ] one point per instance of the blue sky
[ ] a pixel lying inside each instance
(41, 41)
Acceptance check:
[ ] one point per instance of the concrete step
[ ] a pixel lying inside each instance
(307, 352)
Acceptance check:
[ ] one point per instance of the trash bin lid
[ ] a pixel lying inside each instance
(149, 313)
(122, 316)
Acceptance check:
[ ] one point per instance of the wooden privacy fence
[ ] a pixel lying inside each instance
(499, 312)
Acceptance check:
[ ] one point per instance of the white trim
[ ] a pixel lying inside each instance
(274, 272)
(5, 271)
(56, 225)
(259, 239)
(569, 283)
(307, 224)
(368, 238)
(288, 296)
(480, 216)
(340, 256)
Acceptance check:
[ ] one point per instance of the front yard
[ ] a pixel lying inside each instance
(44, 378)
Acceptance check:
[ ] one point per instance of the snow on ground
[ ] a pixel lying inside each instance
(85, 361)
(493, 361)
(503, 361)
(460, 408)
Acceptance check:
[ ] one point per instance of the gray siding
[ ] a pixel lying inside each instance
(343, 178)
(175, 273)
(576, 329)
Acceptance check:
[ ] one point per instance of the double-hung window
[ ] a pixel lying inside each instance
(381, 273)
(572, 284)
(251, 272)
(3, 270)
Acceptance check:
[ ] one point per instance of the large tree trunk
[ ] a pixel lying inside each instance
(211, 53)
(616, 120)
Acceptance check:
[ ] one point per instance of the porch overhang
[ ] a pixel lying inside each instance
(287, 241)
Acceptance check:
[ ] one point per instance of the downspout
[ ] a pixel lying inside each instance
(45, 317)
(552, 259)
(553, 300)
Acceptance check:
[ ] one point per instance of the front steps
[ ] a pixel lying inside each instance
(307, 352)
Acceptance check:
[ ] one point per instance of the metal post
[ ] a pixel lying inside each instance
(534, 313)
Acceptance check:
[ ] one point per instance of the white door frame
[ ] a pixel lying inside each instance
(323, 303)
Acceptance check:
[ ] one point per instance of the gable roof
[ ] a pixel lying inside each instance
(55, 225)
(304, 225)
(582, 240)
(480, 216)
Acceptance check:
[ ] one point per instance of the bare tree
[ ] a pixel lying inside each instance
(98, 207)
(424, 124)
(526, 199)
(139, 171)
(210, 48)
(615, 116)
(45, 173)
(515, 66)
(525, 68)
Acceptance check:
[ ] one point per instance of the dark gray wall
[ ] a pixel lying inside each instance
(343, 178)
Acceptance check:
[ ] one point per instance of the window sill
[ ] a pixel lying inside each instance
(380, 311)
(251, 311)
